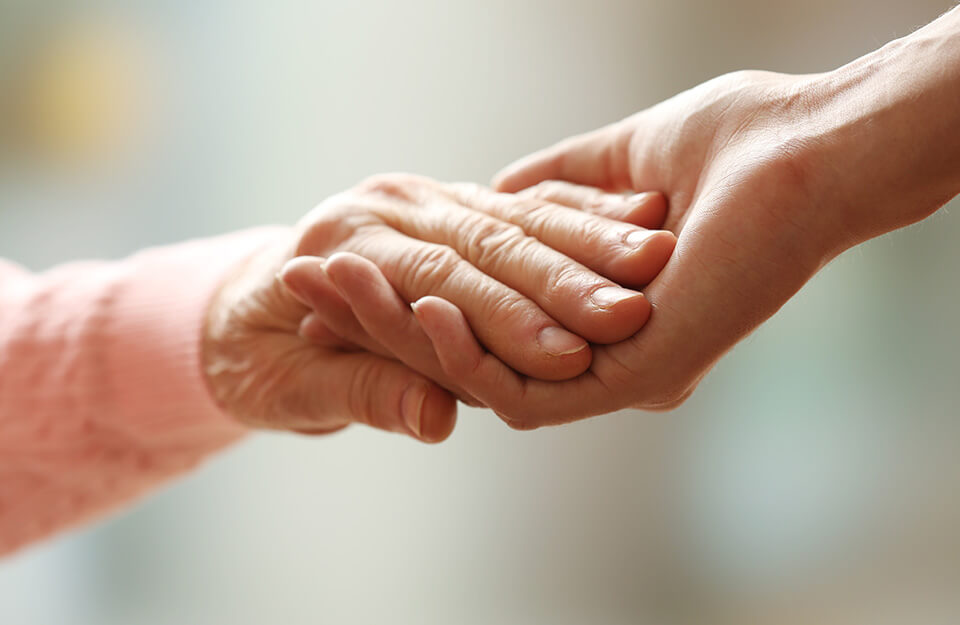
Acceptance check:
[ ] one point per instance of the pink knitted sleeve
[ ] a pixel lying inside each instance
(101, 394)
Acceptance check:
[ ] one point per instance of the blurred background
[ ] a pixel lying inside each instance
(813, 478)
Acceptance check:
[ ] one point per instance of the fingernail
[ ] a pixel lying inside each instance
(558, 342)
(411, 407)
(608, 296)
(636, 238)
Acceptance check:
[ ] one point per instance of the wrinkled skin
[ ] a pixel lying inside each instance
(283, 349)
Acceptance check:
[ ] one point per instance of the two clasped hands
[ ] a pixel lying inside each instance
(611, 270)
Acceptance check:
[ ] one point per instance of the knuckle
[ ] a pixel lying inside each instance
(543, 190)
(575, 196)
(379, 182)
(602, 241)
(620, 373)
(597, 201)
(428, 269)
(469, 193)
(401, 186)
(324, 230)
(505, 312)
(489, 242)
(583, 231)
(333, 221)
(363, 390)
(537, 216)
(568, 279)
(500, 206)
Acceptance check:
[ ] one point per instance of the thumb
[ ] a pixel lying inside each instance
(365, 388)
(598, 159)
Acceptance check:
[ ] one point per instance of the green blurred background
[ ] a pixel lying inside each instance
(813, 478)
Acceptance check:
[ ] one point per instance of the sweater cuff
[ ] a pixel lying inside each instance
(154, 342)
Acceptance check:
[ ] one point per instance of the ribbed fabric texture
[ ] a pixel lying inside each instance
(101, 392)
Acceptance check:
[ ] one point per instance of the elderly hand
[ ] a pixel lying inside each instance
(535, 280)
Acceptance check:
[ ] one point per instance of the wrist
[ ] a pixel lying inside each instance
(887, 130)
(247, 301)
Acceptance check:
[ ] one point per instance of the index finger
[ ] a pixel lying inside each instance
(626, 254)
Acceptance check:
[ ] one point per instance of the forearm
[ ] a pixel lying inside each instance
(101, 395)
(889, 128)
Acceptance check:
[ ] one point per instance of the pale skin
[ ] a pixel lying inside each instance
(283, 350)
(768, 177)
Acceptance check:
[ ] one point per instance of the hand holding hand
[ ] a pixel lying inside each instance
(290, 353)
